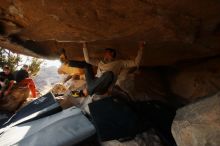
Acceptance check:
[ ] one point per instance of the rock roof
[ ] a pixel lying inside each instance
(174, 30)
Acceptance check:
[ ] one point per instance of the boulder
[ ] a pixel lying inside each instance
(198, 124)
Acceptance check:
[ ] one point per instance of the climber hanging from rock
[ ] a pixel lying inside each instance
(108, 68)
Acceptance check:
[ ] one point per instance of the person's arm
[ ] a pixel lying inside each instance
(137, 60)
(89, 60)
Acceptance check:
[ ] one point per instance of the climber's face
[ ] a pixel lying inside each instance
(108, 55)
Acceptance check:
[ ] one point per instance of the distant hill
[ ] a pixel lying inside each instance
(46, 78)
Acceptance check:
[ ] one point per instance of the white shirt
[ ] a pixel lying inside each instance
(114, 66)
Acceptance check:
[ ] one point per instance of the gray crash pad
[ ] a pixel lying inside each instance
(67, 127)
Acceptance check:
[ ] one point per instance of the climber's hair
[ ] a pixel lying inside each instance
(113, 51)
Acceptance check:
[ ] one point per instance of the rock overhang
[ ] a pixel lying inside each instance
(174, 30)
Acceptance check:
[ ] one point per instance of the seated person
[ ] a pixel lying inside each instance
(22, 79)
(108, 68)
(6, 81)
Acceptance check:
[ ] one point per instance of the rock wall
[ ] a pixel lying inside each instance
(197, 80)
(183, 83)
